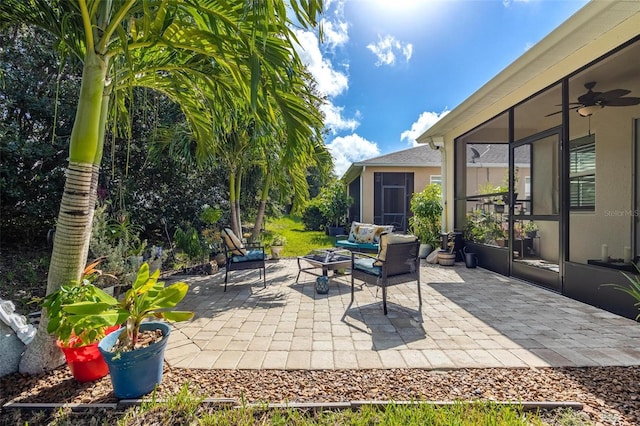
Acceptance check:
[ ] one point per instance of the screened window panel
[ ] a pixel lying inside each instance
(582, 173)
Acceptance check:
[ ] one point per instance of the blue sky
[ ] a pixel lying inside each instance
(391, 68)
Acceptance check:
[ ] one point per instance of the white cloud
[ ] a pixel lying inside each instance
(507, 3)
(426, 120)
(334, 120)
(350, 149)
(386, 49)
(331, 82)
(335, 33)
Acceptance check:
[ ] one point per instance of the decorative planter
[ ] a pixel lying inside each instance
(85, 362)
(470, 259)
(424, 250)
(276, 251)
(446, 259)
(322, 285)
(137, 372)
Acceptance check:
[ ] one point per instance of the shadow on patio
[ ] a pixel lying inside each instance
(469, 318)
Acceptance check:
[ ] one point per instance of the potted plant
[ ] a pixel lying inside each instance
(277, 245)
(135, 352)
(448, 257)
(78, 343)
(334, 203)
(530, 229)
(633, 289)
(426, 207)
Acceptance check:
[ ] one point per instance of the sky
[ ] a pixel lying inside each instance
(391, 68)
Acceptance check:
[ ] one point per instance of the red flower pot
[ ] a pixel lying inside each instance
(85, 362)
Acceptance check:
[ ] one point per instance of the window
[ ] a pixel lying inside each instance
(436, 179)
(582, 173)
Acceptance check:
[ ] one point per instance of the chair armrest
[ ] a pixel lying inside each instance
(358, 254)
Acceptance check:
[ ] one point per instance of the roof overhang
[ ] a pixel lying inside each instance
(594, 30)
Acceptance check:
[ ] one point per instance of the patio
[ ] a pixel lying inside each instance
(469, 318)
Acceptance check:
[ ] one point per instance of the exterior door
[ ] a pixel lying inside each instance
(535, 220)
(393, 206)
(391, 199)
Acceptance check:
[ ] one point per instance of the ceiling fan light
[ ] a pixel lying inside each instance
(586, 111)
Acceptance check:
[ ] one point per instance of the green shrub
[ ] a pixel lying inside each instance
(189, 242)
(312, 216)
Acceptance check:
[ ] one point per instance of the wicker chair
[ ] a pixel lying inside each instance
(239, 256)
(400, 264)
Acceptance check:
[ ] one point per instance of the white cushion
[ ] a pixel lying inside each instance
(386, 239)
(233, 243)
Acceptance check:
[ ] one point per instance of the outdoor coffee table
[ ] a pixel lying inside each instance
(330, 259)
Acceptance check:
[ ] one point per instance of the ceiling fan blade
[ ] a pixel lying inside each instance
(611, 94)
(622, 102)
(589, 98)
(558, 112)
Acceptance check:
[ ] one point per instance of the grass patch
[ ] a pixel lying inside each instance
(299, 241)
(185, 408)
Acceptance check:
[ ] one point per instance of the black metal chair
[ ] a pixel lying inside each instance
(239, 257)
(399, 264)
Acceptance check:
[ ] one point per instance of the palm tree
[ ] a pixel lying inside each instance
(179, 48)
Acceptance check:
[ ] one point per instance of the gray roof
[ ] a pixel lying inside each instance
(420, 156)
(490, 155)
(495, 153)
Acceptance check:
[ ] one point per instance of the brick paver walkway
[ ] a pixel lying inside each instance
(469, 318)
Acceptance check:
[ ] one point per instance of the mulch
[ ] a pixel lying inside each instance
(609, 394)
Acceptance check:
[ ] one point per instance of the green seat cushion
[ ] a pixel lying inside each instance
(251, 255)
(366, 265)
(357, 246)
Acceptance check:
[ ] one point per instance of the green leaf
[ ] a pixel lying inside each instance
(87, 308)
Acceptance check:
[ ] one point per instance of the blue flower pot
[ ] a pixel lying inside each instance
(135, 373)
(322, 285)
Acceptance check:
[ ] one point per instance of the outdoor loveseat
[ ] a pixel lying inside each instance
(363, 237)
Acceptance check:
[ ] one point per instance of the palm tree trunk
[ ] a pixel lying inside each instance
(264, 196)
(232, 201)
(73, 229)
(237, 203)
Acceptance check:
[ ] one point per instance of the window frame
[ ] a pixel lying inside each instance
(583, 176)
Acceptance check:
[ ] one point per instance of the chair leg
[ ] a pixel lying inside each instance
(384, 297)
(419, 292)
(226, 276)
(352, 288)
(264, 276)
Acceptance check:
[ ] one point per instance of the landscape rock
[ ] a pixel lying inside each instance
(11, 349)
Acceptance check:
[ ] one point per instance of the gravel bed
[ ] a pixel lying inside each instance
(609, 394)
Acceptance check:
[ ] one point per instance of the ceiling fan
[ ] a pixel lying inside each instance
(591, 101)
